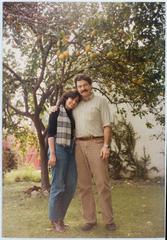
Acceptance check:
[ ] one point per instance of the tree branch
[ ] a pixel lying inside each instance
(44, 53)
(13, 72)
(105, 94)
(26, 100)
(45, 96)
(19, 112)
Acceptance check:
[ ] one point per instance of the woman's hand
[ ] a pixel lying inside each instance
(52, 160)
(53, 108)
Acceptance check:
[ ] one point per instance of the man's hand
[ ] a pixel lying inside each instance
(105, 153)
(53, 109)
(52, 160)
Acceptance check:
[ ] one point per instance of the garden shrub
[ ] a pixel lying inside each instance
(9, 160)
(123, 161)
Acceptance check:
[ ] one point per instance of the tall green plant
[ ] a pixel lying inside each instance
(124, 161)
(141, 168)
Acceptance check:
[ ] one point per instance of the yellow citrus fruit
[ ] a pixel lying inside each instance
(109, 55)
(93, 55)
(87, 48)
(93, 33)
(138, 81)
(65, 39)
(61, 56)
(58, 53)
(135, 81)
(77, 53)
(66, 54)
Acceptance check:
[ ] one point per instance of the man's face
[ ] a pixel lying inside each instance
(84, 88)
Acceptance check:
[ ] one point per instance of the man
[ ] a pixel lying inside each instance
(93, 137)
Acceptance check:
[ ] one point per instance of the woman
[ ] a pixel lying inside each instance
(61, 159)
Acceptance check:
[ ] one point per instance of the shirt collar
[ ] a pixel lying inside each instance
(90, 97)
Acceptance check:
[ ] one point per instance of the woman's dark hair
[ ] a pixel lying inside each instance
(70, 94)
(82, 77)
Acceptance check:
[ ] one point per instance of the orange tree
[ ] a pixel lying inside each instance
(130, 54)
(46, 44)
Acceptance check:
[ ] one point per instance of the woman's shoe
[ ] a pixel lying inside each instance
(57, 226)
(64, 224)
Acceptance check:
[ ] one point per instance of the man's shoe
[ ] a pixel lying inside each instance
(88, 226)
(111, 227)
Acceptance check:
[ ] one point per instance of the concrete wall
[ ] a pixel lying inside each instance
(155, 148)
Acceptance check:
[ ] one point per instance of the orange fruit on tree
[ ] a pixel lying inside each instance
(93, 55)
(77, 53)
(65, 39)
(61, 56)
(109, 55)
(66, 54)
(87, 48)
(140, 81)
(93, 33)
(58, 53)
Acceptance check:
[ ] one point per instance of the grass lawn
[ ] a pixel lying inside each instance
(138, 212)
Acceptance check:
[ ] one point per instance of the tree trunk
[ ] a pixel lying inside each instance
(45, 185)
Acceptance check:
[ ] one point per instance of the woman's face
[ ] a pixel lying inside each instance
(71, 103)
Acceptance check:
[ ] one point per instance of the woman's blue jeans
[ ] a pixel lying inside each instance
(64, 180)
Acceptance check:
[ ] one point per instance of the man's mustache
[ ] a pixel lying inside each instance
(84, 91)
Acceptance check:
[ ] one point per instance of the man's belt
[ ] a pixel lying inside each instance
(89, 138)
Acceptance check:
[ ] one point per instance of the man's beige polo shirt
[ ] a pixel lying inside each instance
(91, 116)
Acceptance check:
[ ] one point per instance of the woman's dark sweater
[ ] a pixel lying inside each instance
(52, 126)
